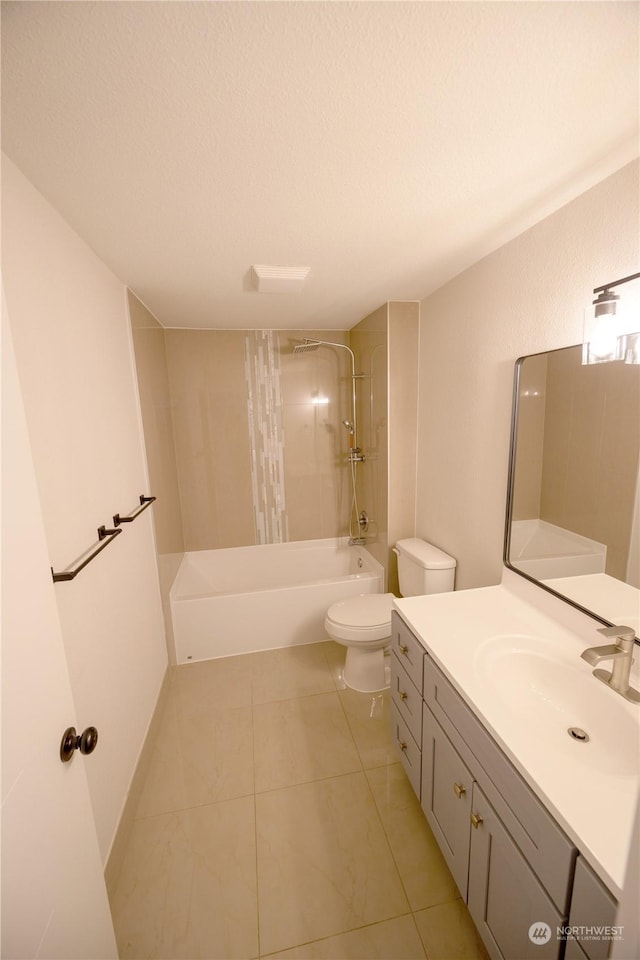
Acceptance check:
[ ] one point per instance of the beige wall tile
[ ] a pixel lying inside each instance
(315, 441)
(531, 411)
(404, 318)
(369, 342)
(209, 398)
(592, 451)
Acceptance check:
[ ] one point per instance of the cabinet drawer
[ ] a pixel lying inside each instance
(592, 905)
(544, 845)
(406, 698)
(410, 755)
(409, 651)
(505, 898)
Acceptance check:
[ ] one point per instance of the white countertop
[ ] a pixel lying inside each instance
(590, 791)
(613, 599)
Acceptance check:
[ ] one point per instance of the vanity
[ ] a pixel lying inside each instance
(526, 766)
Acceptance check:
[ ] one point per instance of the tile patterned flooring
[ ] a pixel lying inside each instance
(275, 821)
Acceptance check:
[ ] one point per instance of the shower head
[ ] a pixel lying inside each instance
(306, 347)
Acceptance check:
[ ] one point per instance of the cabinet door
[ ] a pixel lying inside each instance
(592, 905)
(574, 951)
(446, 798)
(505, 898)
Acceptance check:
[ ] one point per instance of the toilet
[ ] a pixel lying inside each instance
(363, 624)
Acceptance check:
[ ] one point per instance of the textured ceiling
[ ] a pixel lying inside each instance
(386, 146)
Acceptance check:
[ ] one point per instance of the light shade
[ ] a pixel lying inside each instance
(279, 279)
(611, 326)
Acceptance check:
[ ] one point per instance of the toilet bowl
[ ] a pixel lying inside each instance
(363, 624)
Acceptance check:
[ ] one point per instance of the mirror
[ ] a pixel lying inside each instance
(573, 523)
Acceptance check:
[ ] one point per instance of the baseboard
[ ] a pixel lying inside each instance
(118, 847)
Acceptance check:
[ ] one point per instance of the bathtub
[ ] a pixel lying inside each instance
(546, 551)
(244, 599)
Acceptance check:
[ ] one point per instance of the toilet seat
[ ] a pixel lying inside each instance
(363, 619)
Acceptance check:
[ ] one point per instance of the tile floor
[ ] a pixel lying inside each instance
(275, 821)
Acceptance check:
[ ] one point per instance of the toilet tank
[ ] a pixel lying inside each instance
(423, 568)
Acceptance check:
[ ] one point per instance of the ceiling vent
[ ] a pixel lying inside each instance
(279, 279)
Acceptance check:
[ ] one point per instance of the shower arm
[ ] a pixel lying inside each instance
(330, 343)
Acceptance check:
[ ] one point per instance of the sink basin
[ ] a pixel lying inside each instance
(553, 694)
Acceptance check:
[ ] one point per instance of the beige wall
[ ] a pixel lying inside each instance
(74, 357)
(526, 297)
(157, 420)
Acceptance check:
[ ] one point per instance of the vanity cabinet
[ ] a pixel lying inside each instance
(407, 656)
(511, 862)
(591, 917)
(504, 896)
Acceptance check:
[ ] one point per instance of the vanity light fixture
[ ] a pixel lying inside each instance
(611, 327)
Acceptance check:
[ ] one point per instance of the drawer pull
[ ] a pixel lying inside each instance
(404, 649)
(402, 745)
(459, 790)
(403, 695)
(476, 820)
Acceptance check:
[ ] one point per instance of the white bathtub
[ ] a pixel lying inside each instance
(546, 551)
(243, 599)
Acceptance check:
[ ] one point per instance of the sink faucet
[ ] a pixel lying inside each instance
(621, 655)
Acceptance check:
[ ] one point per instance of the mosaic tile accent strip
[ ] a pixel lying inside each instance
(266, 432)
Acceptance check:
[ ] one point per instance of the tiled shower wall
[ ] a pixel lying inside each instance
(244, 439)
(386, 347)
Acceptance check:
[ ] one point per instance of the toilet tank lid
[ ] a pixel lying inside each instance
(425, 554)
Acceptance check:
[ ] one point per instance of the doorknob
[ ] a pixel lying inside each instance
(85, 742)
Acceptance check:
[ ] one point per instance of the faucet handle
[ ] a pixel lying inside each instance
(621, 633)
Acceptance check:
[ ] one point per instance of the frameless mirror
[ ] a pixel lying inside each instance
(573, 523)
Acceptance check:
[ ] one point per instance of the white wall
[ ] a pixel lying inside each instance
(72, 342)
(526, 297)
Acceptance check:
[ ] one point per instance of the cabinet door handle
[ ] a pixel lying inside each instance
(402, 745)
(476, 820)
(459, 790)
(403, 695)
(404, 649)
